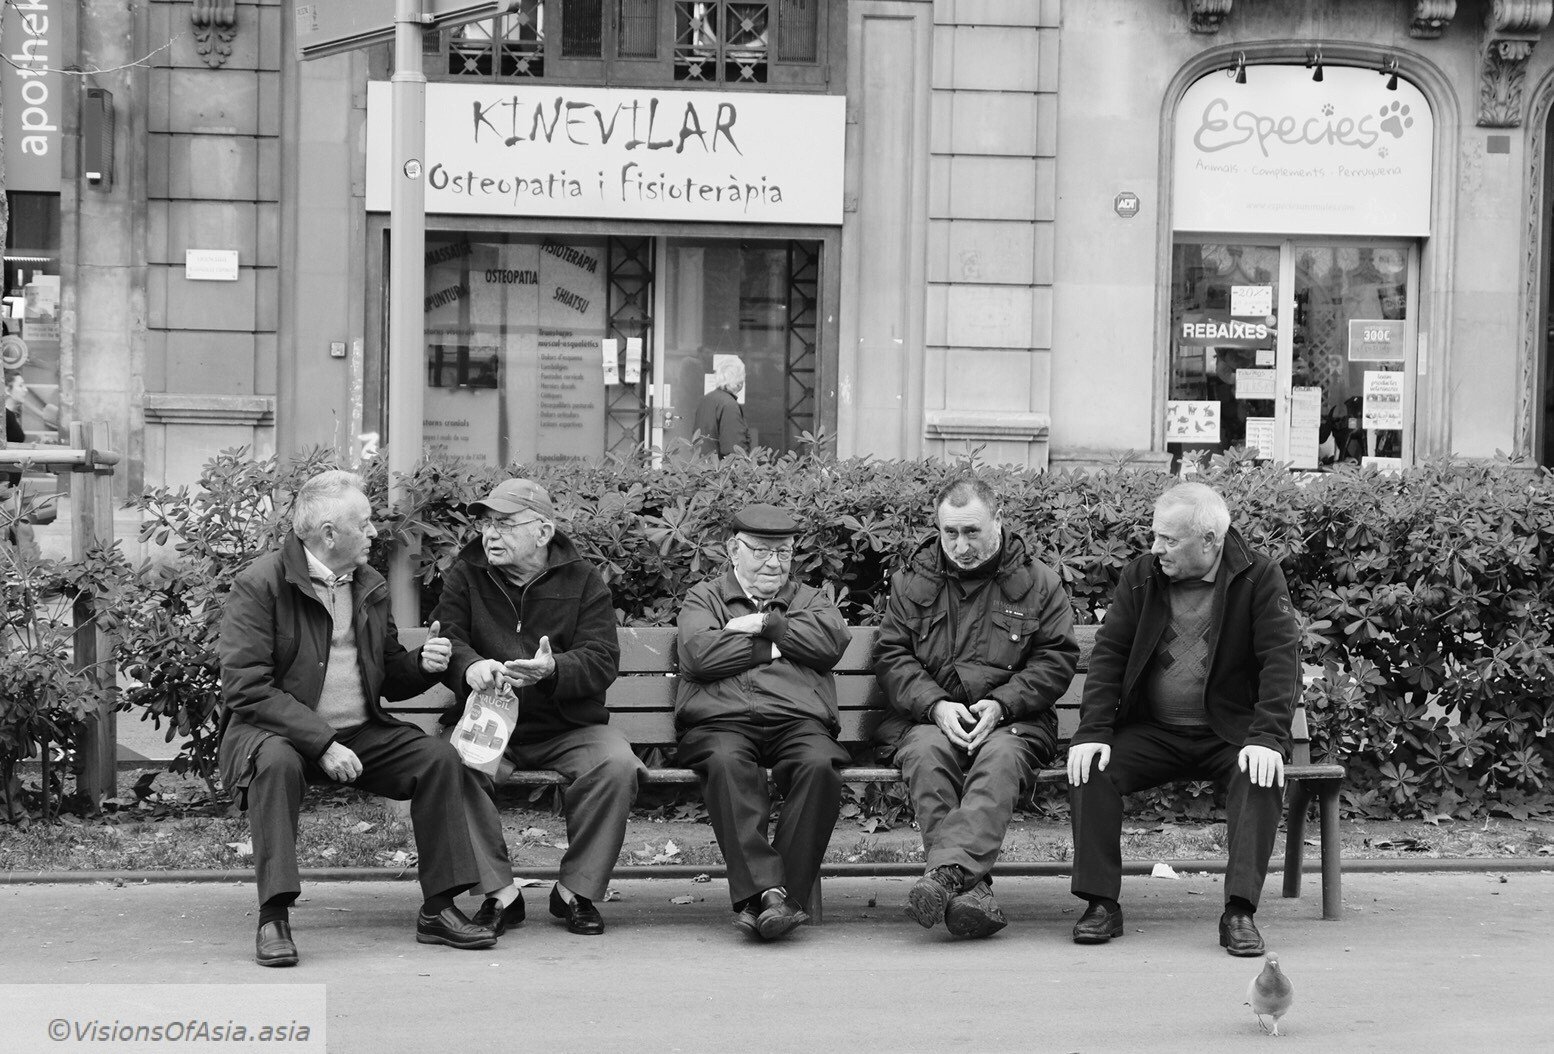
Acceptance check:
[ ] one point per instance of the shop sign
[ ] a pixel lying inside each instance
(30, 94)
(1222, 330)
(1375, 340)
(517, 150)
(1283, 154)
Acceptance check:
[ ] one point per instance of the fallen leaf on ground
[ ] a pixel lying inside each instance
(363, 827)
(241, 848)
(684, 898)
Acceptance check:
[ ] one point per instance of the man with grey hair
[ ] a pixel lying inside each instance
(1194, 675)
(307, 647)
(720, 420)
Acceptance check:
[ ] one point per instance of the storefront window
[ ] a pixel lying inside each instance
(542, 348)
(514, 326)
(754, 300)
(30, 345)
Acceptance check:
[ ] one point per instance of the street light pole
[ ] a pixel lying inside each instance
(407, 289)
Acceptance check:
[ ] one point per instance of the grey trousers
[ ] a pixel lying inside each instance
(964, 802)
(602, 775)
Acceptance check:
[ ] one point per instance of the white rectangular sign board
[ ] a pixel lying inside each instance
(517, 150)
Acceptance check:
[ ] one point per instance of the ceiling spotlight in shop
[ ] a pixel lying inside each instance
(1314, 59)
(1239, 72)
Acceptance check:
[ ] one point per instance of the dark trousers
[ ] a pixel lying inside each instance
(1146, 755)
(601, 773)
(731, 757)
(964, 802)
(398, 762)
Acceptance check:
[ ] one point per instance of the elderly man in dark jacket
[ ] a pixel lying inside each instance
(523, 607)
(756, 651)
(307, 647)
(976, 648)
(1194, 674)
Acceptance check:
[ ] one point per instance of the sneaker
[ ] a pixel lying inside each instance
(975, 913)
(931, 894)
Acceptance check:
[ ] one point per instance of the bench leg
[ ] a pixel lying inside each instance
(1298, 798)
(1332, 866)
(815, 907)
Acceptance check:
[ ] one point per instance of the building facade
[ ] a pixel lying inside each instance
(1059, 232)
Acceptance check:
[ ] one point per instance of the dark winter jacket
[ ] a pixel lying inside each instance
(1254, 651)
(274, 647)
(721, 422)
(728, 674)
(1023, 653)
(486, 616)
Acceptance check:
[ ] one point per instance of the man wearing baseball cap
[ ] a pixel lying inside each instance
(755, 691)
(521, 606)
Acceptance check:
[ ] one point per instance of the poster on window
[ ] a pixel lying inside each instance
(1383, 400)
(1259, 436)
(1305, 426)
(514, 330)
(1192, 421)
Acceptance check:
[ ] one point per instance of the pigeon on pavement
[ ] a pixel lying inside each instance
(1270, 994)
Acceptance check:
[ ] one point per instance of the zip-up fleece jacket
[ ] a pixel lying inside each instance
(274, 647)
(1253, 661)
(1023, 650)
(724, 674)
(485, 616)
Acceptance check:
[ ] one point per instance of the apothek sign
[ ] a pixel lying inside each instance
(1283, 154)
(515, 150)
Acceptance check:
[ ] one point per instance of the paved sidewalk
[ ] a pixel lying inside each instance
(1431, 962)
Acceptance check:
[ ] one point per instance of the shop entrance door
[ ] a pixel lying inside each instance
(755, 300)
(1303, 350)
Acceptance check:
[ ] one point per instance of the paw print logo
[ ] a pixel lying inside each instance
(1327, 109)
(1395, 118)
(1381, 152)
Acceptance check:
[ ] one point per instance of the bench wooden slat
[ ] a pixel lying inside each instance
(641, 703)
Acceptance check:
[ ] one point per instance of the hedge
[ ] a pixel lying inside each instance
(1424, 598)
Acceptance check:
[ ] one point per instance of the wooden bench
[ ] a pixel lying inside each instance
(641, 703)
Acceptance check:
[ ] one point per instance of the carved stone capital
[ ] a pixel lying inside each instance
(1431, 17)
(1511, 31)
(1205, 16)
(215, 24)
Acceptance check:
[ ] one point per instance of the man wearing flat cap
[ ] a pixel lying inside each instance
(755, 691)
(521, 606)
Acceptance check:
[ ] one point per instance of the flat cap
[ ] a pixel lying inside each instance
(516, 495)
(764, 521)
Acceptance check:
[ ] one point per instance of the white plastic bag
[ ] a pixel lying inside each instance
(482, 733)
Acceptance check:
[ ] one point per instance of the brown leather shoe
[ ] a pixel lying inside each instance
(273, 945)
(1098, 924)
(975, 913)
(1238, 934)
(779, 915)
(497, 919)
(452, 927)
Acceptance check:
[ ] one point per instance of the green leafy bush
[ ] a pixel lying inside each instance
(1424, 598)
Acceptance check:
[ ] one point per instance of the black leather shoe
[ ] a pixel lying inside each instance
(748, 921)
(452, 927)
(779, 915)
(1238, 934)
(273, 945)
(497, 919)
(580, 914)
(1098, 925)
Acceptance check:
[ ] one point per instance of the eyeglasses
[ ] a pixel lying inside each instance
(762, 554)
(502, 526)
